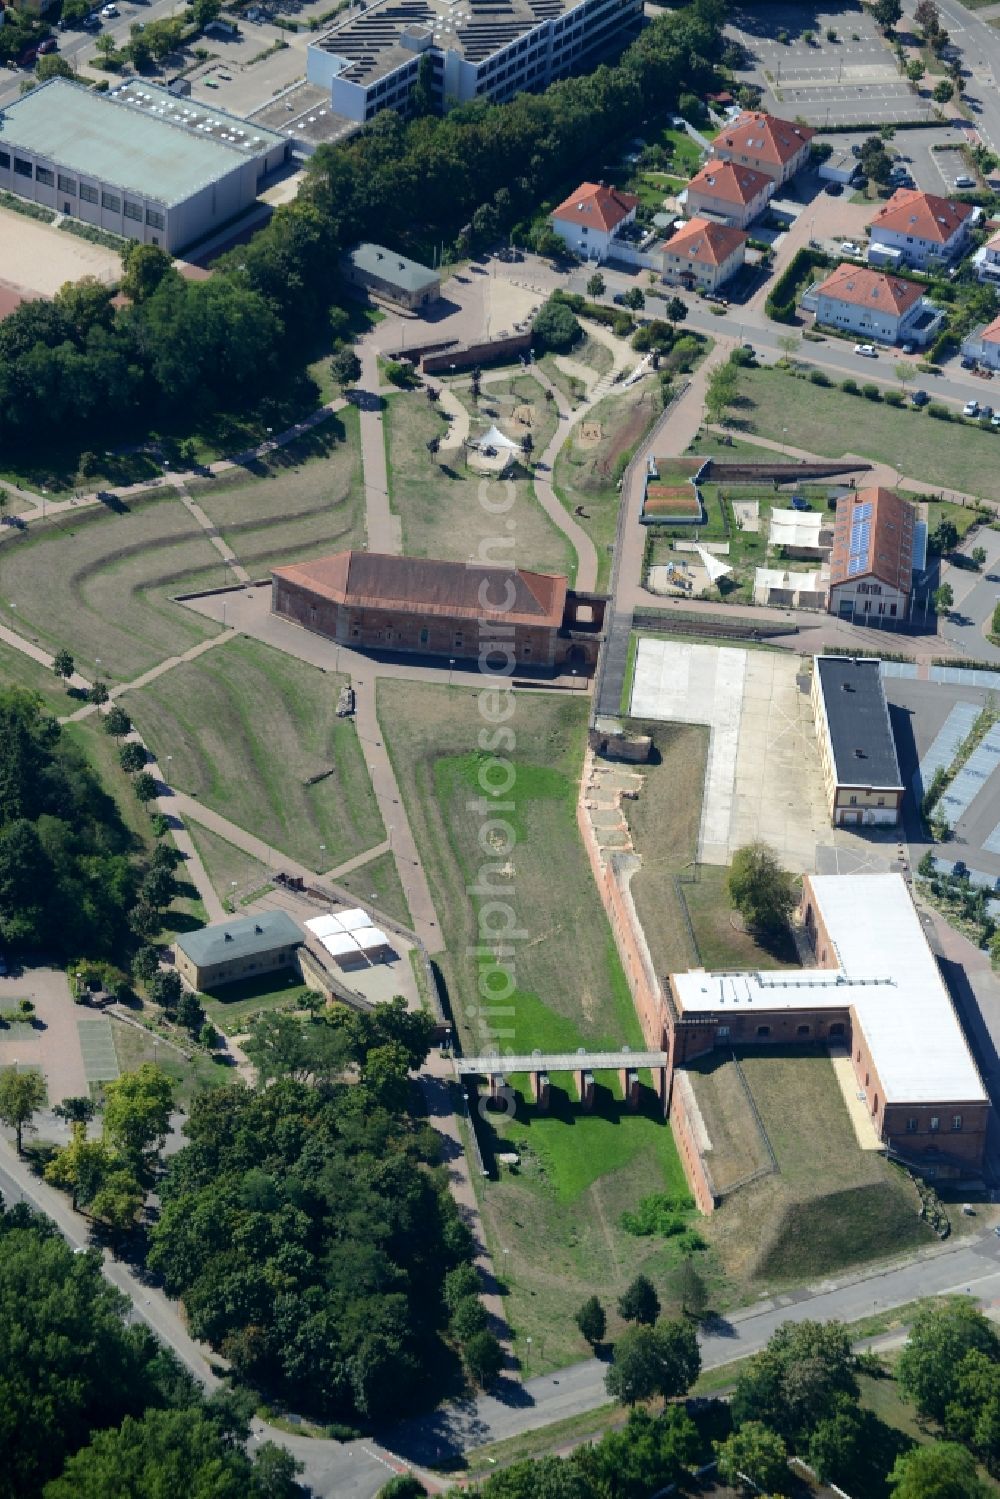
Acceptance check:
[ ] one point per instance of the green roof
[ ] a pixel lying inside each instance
(388, 265)
(241, 938)
(141, 138)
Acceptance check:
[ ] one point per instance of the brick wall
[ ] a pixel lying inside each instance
(689, 1136)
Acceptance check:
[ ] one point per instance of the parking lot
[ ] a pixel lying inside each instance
(852, 78)
(932, 171)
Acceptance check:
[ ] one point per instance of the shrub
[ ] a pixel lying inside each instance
(555, 327)
(871, 392)
(820, 377)
(941, 413)
(894, 398)
(849, 386)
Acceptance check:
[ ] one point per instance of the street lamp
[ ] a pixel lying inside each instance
(451, 668)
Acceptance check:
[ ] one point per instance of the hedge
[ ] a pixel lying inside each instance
(780, 304)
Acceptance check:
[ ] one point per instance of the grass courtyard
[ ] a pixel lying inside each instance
(554, 1226)
(443, 505)
(19, 670)
(830, 422)
(307, 499)
(247, 728)
(589, 465)
(100, 584)
(830, 1206)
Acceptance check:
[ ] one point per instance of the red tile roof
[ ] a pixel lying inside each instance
(864, 288)
(731, 183)
(991, 333)
(705, 241)
(764, 136)
(922, 214)
(420, 585)
(597, 206)
(873, 543)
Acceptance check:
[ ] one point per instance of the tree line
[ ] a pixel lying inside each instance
(93, 372)
(90, 1407)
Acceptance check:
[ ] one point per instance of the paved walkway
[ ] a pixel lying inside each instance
(223, 548)
(385, 530)
(586, 553)
(44, 658)
(154, 672)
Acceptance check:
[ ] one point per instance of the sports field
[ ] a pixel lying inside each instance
(100, 584)
(100, 1060)
(247, 728)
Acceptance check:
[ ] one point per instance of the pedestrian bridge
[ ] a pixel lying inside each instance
(497, 1067)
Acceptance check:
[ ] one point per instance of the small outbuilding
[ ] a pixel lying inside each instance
(240, 949)
(391, 276)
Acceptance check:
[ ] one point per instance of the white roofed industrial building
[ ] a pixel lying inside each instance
(878, 987)
(138, 161)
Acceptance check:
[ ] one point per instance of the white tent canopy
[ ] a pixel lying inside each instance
(796, 528)
(713, 566)
(494, 438)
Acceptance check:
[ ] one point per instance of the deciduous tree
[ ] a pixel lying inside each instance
(755, 1460)
(762, 892)
(22, 1094)
(591, 1321)
(639, 1302)
(63, 665)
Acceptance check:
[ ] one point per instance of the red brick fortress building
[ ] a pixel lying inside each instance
(416, 605)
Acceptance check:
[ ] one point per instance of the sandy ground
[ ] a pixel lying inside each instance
(37, 258)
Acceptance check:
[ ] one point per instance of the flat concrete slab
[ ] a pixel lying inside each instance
(53, 1045)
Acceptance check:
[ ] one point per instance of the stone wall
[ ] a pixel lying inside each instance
(692, 1142)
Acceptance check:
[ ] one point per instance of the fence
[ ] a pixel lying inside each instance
(772, 1168)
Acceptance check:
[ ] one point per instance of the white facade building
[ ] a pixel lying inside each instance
(732, 194)
(921, 229)
(138, 162)
(371, 59)
(984, 345)
(987, 261)
(591, 218)
(873, 305)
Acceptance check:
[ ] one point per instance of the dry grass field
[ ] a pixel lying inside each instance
(309, 501)
(247, 727)
(101, 585)
(443, 506)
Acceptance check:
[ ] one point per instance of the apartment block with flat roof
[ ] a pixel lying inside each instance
(857, 750)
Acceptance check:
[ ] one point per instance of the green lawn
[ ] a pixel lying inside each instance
(448, 511)
(247, 727)
(100, 585)
(687, 155)
(587, 471)
(831, 423)
(308, 502)
(19, 670)
(379, 883)
(558, 1217)
(233, 1007)
(133, 1047)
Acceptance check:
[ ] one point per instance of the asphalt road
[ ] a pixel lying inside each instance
(979, 45)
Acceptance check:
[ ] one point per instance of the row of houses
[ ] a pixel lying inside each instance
(751, 159)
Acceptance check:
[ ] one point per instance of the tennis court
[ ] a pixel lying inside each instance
(100, 1060)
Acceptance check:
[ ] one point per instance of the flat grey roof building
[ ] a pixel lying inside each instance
(393, 269)
(182, 169)
(244, 937)
(857, 718)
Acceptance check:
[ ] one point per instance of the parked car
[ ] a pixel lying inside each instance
(868, 351)
(970, 408)
(908, 348)
(848, 247)
(619, 299)
(49, 45)
(17, 521)
(995, 421)
(967, 363)
(798, 503)
(109, 12)
(985, 413)
(965, 181)
(920, 398)
(834, 189)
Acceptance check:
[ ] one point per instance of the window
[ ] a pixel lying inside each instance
(155, 219)
(67, 184)
(854, 801)
(355, 632)
(22, 168)
(526, 649)
(88, 194)
(837, 1029)
(111, 201)
(45, 177)
(458, 640)
(935, 1124)
(911, 1126)
(881, 801)
(5, 160)
(956, 1121)
(425, 636)
(133, 211)
(722, 1032)
(802, 1030)
(763, 1030)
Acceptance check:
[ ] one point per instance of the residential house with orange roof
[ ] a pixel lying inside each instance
(731, 194)
(703, 255)
(987, 261)
(983, 345)
(874, 305)
(871, 563)
(592, 217)
(919, 229)
(778, 148)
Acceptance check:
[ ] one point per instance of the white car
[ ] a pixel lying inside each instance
(848, 247)
(109, 12)
(867, 350)
(970, 408)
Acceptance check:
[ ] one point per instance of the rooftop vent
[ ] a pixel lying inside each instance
(847, 687)
(859, 754)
